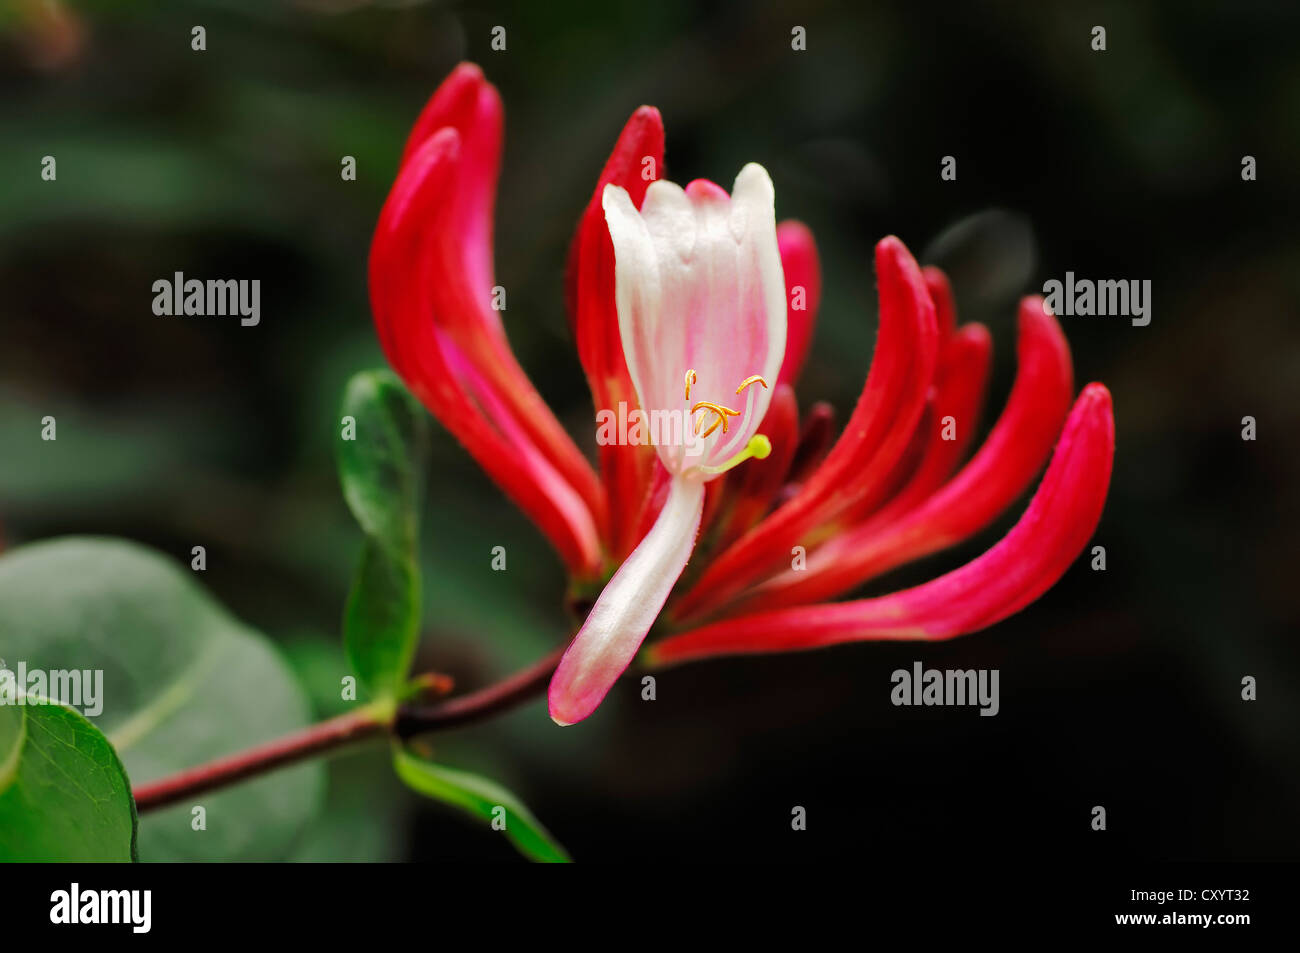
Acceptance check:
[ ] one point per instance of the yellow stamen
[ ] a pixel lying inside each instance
(690, 379)
(755, 379)
(758, 448)
(718, 409)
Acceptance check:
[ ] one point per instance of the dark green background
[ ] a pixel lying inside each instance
(1120, 689)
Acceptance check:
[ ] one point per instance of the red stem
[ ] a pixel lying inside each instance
(410, 720)
(325, 736)
(417, 719)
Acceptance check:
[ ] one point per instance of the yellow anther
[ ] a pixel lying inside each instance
(690, 379)
(755, 379)
(719, 411)
(718, 419)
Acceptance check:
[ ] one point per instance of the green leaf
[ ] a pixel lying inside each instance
(480, 798)
(183, 682)
(64, 795)
(382, 472)
(381, 620)
(13, 732)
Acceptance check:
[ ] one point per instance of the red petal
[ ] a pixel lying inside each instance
(876, 436)
(459, 251)
(803, 294)
(958, 394)
(407, 295)
(589, 284)
(945, 312)
(910, 527)
(466, 102)
(1027, 562)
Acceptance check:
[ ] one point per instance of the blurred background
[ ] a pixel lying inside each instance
(1119, 688)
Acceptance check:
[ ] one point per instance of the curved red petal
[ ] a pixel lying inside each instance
(405, 294)
(945, 311)
(945, 432)
(909, 527)
(468, 103)
(1028, 561)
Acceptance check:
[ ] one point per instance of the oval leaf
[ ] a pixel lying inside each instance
(382, 457)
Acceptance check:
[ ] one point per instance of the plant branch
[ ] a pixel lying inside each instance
(413, 719)
(410, 719)
(326, 736)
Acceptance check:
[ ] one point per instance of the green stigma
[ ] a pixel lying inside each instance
(758, 448)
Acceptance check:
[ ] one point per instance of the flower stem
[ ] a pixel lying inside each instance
(372, 721)
(413, 719)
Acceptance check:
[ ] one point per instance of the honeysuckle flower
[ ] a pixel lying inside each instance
(733, 536)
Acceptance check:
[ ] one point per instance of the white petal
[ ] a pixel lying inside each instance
(699, 285)
(628, 606)
(639, 300)
(761, 290)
